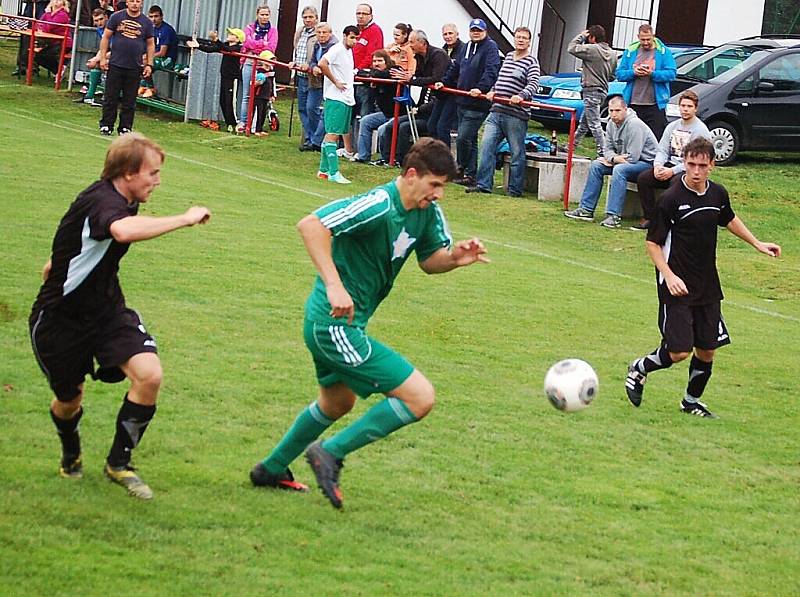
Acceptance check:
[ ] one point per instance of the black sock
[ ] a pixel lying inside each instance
(699, 374)
(69, 434)
(132, 422)
(658, 359)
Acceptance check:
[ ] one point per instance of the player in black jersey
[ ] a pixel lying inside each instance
(682, 243)
(80, 314)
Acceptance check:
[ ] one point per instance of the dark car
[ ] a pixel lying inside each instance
(753, 103)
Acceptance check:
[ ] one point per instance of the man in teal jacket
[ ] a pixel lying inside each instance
(647, 66)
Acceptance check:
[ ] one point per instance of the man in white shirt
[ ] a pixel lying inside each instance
(338, 67)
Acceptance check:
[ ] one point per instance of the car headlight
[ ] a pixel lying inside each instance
(566, 94)
(673, 110)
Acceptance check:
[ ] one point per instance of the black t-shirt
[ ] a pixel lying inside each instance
(686, 228)
(83, 280)
(129, 39)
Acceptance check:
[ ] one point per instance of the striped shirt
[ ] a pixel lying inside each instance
(301, 51)
(517, 77)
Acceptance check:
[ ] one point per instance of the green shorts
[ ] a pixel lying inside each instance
(346, 354)
(337, 117)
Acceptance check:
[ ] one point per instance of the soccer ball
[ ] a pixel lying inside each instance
(571, 385)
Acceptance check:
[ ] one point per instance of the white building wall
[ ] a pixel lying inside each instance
(728, 20)
(575, 14)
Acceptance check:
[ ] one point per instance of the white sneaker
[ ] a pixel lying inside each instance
(338, 178)
(343, 153)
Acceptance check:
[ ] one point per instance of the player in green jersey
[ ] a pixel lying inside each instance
(358, 246)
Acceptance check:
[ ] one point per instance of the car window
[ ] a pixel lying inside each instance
(716, 62)
(733, 71)
(783, 73)
(746, 86)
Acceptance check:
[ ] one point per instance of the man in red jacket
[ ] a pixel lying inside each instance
(369, 39)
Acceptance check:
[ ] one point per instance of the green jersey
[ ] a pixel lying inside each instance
(373, 235)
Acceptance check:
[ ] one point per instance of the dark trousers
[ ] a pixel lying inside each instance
(226, 99)
(653, 117)
(48, 57)
(404, 140)
(443, 119)
(121, 87)
(261, 108)
(648, 183)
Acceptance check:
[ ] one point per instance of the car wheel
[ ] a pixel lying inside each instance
(726, 142)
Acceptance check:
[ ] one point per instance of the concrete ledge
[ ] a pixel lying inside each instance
(545, 174)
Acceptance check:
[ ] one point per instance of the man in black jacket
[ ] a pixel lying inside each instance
(444, 118)
(432, 63)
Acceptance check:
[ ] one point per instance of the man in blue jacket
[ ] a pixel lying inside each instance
(647, 66)
(475, 71)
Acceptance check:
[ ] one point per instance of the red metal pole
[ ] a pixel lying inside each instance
(31, 47)
(251, 105)
(570, 152)
(395, 125)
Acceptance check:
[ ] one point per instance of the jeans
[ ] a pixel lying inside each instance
(469, 122)
(498, 126)
(621, 174)
(302, 108)
(314, 111)
(443, 119)
(247, 73)
(369, 124)
(590, 119)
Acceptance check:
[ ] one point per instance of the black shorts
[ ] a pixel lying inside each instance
(684, 327)
(66, 348)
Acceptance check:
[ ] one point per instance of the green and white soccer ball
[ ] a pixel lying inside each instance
(571, 385)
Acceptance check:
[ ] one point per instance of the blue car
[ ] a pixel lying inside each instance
(564, 89)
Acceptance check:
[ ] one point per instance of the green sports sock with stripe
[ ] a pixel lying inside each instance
(94, 80)
(307, 427)
(323, 160)
(387, 416)
(329, 149)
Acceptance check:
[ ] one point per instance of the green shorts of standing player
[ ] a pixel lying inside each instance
(358, 246)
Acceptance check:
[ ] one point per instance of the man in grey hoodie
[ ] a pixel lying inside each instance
(629, 149)
(599, 66)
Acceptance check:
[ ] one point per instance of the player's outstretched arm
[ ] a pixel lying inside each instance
(317, 239)
(137, 228)
(465, 252)
(737, 227)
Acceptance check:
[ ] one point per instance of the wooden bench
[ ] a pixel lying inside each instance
(544, 176)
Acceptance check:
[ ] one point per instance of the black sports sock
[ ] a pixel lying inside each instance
(699, 374)
(658, 359)
(69, 434)
(132, 422)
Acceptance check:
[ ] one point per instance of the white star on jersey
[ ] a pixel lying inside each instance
(402, 244)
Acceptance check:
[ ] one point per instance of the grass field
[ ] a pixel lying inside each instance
(494, 493)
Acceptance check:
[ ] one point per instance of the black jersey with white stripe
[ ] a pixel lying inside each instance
(686, 228)
(85, 257)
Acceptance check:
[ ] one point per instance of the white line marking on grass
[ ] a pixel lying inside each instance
(521, 249)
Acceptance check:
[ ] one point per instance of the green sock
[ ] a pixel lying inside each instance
(94, 80)
(329, 149)
(323, 160)
(307, 427)
(379, 421)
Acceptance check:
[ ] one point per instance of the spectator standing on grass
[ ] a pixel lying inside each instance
(259, 35)
(304, 40)
(629, 149)
(518, 81)
(647, 67)
(358, 246)
(325, 41)
(337, 66)
(682, 244)
(55, 20)
(370, 38)
(383, 96)
(599, 68)
(444, 117)
(80, 314)
(132, 36)
(230, 71)
(668, 163)
(474, 71)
